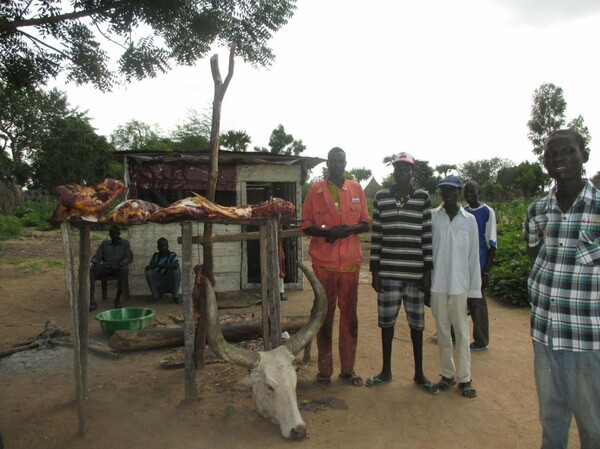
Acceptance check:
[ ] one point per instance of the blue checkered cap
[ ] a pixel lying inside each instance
(450, 180)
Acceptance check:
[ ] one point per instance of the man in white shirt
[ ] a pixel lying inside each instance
(456, 277)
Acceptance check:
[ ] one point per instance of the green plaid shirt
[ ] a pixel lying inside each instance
(564, 283)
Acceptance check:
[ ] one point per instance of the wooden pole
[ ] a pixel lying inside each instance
(191, 389)
(273, 297)
(264, 282)
(84, 299)
(65, 228)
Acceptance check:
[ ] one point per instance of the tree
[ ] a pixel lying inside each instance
(424, 177)
(136, 135)
(39, 40)
(25, 117)
(194, 133)
(281, 142)
(70, 153)
(483, 171)
(528, 178)
(237, 141)
(577, 124)
(547, 115)
(361, 174)
(443, 169)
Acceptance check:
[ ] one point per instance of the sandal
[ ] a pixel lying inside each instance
(467, 390)
(352, 379)
(375, 381)
(445, 384)
(428, 386)
(323, 381)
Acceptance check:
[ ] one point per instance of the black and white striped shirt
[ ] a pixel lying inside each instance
(401, 235)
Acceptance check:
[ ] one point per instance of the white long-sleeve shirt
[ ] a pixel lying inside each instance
(456, 267)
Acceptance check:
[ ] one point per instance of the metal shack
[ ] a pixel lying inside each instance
(244, 178)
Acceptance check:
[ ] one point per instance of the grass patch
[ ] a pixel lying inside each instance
(32, 265)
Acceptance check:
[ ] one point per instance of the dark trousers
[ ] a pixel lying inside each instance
(167, 282)
(481, 324)
(99, 272)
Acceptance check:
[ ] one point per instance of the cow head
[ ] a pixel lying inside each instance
(272, 373)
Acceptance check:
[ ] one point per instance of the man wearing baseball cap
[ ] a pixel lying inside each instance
(401, 263)
(455, 278)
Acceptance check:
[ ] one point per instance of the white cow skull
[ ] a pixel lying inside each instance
(272, 374)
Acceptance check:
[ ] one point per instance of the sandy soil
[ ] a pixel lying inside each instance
(134, 403)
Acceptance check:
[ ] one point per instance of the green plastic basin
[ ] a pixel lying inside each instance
(127, 318)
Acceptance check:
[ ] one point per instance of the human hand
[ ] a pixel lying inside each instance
(485, 279)
(376, 282)
(425, 283)
(337, 232)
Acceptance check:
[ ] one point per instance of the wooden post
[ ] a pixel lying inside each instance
(273, 295)
(65, 228)
(84, 299)
(264, 283)
(191, 390)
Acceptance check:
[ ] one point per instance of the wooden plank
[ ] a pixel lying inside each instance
(199, 239)
(65, 228)
(191, 389)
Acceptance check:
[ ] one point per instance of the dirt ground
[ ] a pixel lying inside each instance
(134, 403)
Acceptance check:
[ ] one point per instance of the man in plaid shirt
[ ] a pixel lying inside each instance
(562, 231)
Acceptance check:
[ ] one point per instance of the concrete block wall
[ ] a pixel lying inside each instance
(227, 256)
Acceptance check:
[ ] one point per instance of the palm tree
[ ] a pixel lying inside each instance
(235, 140)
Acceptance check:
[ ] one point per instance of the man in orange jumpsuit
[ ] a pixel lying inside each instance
(334, 213)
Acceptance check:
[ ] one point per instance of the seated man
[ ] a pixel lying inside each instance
(112, 258)
(163, 274)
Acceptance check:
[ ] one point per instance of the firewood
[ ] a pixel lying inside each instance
(124, 340)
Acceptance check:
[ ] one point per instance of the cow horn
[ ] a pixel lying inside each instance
(317, 317)
(214, 334)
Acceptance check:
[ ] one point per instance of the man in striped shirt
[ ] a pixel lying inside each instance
(401, 263)
(562, 232)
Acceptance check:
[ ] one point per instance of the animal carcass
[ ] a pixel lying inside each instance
(272, 374)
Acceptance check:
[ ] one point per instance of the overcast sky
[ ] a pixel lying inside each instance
(449, 81)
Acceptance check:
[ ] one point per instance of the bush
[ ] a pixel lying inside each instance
(10, 227)
(511, 265)
(36, 213)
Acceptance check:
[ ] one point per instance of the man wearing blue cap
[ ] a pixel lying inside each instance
(456, 277)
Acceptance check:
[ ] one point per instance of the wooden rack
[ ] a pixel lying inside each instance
(79, 296)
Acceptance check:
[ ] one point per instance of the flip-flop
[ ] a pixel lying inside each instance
(375, 381)
(352, 379)
(428, 386)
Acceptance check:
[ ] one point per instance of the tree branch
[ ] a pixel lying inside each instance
(38, 41)
(15, 25)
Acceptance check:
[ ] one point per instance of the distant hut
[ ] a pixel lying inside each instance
(372, 187)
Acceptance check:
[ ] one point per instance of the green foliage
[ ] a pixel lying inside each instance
(577, 124)
(482, 171)
(10, 227)
(237, 141)
(34, 214)
(361, 174)
(511, 264)
(547, 115)
(39, 40)
(70, 153)
(26, 116)
(136, 135)
(281, 142)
